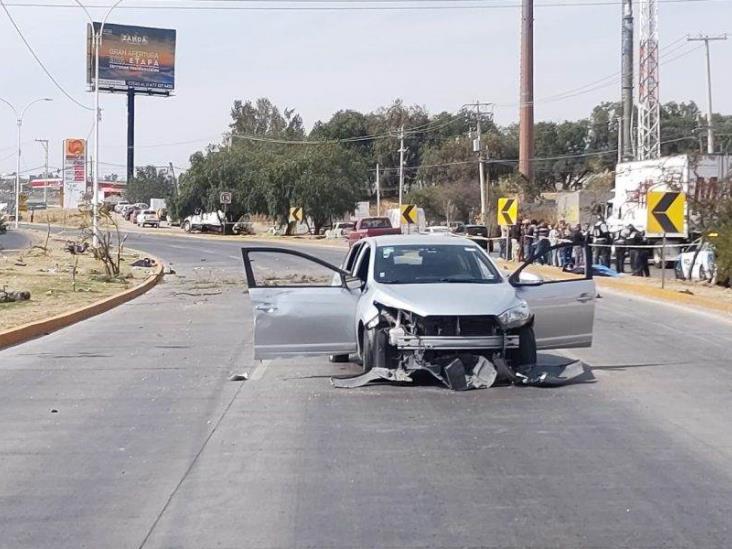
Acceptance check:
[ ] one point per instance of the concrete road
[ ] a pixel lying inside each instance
(14, 240)
(124, 431)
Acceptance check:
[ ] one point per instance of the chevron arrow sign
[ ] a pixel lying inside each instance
(666, 214)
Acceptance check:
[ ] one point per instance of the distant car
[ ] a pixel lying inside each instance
(372, 226)
(119, 207)
(705, 265)
(438, 229)
(477, 233)
(340, 229)
(148, 217)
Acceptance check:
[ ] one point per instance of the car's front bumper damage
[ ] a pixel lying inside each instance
(460, 352)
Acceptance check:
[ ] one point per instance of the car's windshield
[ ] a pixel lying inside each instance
(429, 263)
(376, 223)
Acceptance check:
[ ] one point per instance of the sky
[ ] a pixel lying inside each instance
(318, 62)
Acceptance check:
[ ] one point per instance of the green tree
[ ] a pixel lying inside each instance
(149, 183)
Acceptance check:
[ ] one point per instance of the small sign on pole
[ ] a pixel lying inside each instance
(296, 215)
(409, 214)
(666, 216)
(507, 211)
(225, 197)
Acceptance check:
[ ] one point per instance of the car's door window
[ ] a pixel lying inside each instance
(278, 268)
(351, 257)
(362, 267)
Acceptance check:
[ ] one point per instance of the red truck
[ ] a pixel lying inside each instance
(371, 226)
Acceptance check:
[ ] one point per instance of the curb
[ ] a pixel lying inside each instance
(26, 332)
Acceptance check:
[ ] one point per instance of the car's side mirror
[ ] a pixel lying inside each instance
(354, 283)
(529, 279)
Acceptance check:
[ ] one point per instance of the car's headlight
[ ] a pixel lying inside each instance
(515, 316)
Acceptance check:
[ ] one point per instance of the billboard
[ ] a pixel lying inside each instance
(140, 58)
(74, 174)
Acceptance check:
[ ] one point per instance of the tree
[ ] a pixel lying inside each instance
(149, 183)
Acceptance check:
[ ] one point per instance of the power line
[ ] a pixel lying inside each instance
(340, 5)
(38, 60)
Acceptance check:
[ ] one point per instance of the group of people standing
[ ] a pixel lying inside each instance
(535, 238)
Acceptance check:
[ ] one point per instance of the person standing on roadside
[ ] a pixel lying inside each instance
(621, 251)
(578, 245)
(601, 242)
(643, 254)
(553, 241)
(542, 242)
(632, 241)
(514, 232)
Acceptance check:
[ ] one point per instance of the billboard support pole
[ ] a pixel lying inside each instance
(130, 134)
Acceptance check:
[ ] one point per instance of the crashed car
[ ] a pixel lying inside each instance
(408, 304)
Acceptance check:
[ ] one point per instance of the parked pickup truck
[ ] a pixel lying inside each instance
(371, 226)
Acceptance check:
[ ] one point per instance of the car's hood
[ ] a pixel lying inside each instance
(448, 299)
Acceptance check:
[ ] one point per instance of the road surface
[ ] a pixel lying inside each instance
(14, 240)
(124, 431)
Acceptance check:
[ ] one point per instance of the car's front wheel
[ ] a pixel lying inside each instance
(525, 355)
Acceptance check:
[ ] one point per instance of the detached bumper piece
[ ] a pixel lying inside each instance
(469, 372)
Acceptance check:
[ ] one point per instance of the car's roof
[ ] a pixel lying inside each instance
(412, 239)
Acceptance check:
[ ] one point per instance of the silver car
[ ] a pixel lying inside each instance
(406, 304)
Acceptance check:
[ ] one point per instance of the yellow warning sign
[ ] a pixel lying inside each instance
(23, 202)
(507, 211)
(409, 214)
(296, 215)
(666, 213)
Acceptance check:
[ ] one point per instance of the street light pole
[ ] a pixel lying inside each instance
(97, 37)
(44, 142)
(19, 122)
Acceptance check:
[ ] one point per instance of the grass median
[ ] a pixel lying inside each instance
(58, 281)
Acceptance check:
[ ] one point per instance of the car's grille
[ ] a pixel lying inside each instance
(482, 325)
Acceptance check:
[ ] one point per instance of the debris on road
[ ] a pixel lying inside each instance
(239, 377)
(10, 296)
(145, 262)
(467, 372)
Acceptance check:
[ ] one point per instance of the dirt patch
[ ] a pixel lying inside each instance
(49, 276)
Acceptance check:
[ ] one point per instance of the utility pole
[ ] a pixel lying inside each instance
(44, 143)
(526, 108)
(710, 128)
(378, 192)
(625, 146)
(478, 147)
(649, 104)
(402, 150)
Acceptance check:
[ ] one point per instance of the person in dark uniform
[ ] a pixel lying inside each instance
(601, 240)
(621, 252)
(642, 257)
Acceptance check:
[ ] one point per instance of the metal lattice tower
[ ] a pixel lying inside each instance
(649, 107)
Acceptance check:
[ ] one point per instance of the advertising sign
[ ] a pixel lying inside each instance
(74, 175)
(141, 58)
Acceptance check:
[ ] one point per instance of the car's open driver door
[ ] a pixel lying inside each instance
(298, 311)
(562, 300)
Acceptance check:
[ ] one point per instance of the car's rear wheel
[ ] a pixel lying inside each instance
(525, 355)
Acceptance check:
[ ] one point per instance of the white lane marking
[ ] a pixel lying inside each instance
(260, 370)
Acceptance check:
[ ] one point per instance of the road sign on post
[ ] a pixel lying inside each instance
(665, 218)
(225, 197)
(666, 214)
(409, 214)
(507, 211)
(296, 215)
